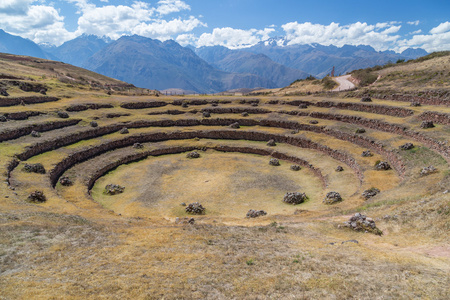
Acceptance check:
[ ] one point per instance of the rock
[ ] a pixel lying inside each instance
(34, 168)
(274, 162)
(184, 104)
(43, 91)
(3, 118)
(407, 146)
(428, 170)
(195, 208)
(360, 222)
(183, 204)
(63, 114)
(138, 146)
(314, 122)
(185, 221)
(37, 197)
(370, 193)
(244, 114)
(124, 131)
(360, 130)
(339, 169)
(366, 99)
(193, 154)
(255, 213)
(214, 104)
(35, 134)
(350, 241)
(271, 143)
(366, 153)
(113, 189)
(382, 165)
(303, 106)
(235, 125)
(254, 104)
(332, 197)
(3, 92)
(415, 104)
(295, 168)
(206, 114)
(427, 124)
(65, 181)
(93, 124)
(295, 198)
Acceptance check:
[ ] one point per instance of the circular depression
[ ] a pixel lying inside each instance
(226, 184)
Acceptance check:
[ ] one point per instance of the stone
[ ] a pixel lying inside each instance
(271, 143)
(274, 162)
(214, 104)
(295, 168)
(35, 134)
(360, 130)
(193, 154)
(372, 192)
(186, 220)
(43, 91)
(65, 181)
(428, 170)
(255, 213)
(314, 122)
(294, 198)
(254, 104)
(138, 146)
(206, 114)
(332, 197)
(183, 204)
(37, 197)
(34, 168)
(407, 146)
(360, 222)
(184, 104)
(427, 124)
(415, 104)
(93, 124)
(195, 208)
(3, 118)
(339, 169)
(124, 131)
(3, 92)
(366, 153)
(382, 165)
(113, 189)
(63, 114)
(303, 106)
(244, 114)
(366, 99)
(235, 125)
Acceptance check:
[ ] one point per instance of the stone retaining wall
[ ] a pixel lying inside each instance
(436, 117)
(26, 100)
(14, 133)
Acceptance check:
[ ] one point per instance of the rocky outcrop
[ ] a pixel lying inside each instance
(34, 168)
(372, 192)
(193, 154)
(252, 213)
(360, 222)
(195, 208)
(295, 198)
(37, 197)
(332, 198)
(113, 189)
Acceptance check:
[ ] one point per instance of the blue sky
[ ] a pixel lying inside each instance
(384, 25)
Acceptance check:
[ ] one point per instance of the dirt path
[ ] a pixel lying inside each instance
(344, 83)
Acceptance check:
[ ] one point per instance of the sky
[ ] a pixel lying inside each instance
(385, 25)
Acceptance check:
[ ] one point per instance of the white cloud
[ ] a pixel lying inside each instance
(15, 7)
(443, 27)
(415, 23)
(379, 36)
(164, 30)
(166, 7)
(186, 39)
(234, 38)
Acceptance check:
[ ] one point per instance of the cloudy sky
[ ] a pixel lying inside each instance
(385, 25)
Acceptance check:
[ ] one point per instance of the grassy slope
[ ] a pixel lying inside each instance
(75, 250)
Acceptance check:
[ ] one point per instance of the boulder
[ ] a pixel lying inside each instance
(428, 170)
(314, 122)
(206, 114)
(3, 118)
(427, 124)
(138, 146)
(382, 165)
(303, 106)
(244, 114)
(37, 197)
(274, 162)
(93, 124)
(332, 197)
(235, 125)
(295, 168)
(64, 180)
(255, 213)
(415, 104)
(407, 146)
(3, 92)
(271, 143)
(34, 168)
(372, 192)
(294, 198)
(63, 114)
(35, 134)
(195, 208)
(366, 153)
(360, 222)
(360, 130)
(113, 189)
(366, 99)
(193, 154)
(339, 169)
(124, 131)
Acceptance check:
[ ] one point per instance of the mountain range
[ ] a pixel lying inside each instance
(153, 64)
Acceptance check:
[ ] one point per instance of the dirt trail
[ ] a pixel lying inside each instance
(344, 83)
